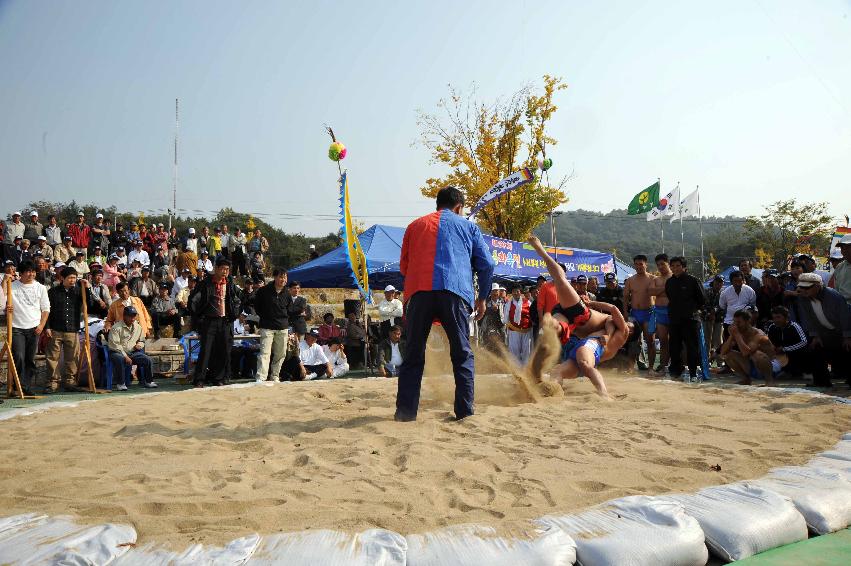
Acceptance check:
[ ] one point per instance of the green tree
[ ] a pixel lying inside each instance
(787, 227)
(482, 144)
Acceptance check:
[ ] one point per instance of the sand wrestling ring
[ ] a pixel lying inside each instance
(318, 473)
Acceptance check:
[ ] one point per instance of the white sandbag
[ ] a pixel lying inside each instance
(740, 519)
(33, 409)
(842, 450)
(841, 466)
(822, 495)
(634, 531)
(377, 547)
(39, 539)
(235, 552)
(470, 545)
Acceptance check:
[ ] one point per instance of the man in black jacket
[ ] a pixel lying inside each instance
(63, 326)
(790, 339)
(215, 305)
(685, 296)
(274, 305)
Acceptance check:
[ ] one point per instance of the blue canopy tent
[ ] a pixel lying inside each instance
(515, 261)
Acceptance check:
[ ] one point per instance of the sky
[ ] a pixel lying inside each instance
(750, 99)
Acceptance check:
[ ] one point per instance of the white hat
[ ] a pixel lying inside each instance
(494, 286)
(58, 264)
(845, 240)
(34, 213)
(98, 215)
(389, 288)
(192, 230)
(836, 253)
(80, 213)
(809, 279)
(313, 247)
(41, 239)
(16, 213)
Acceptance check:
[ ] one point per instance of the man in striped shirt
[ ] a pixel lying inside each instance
(790, 339)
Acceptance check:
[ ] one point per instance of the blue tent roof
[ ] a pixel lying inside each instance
(383, 246)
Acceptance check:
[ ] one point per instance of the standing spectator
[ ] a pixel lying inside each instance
(790, 339)
(328, 330)
(29, 309)
(745, 267)
(313, 253)
(147, 238)
(492, 325)
(314, 364)
(533, 313)
(187, 261)
(53, 232)
(100, 233)
(300, 311)
(273, 305)
(79, 264)
(355, 335)
(127, 348)
(33, 229)
(389, 311)
(713, 317)
(224, 238)
(81, 234)
(204, 263)
(144, 287)
(581, 286)
(214, 305)
(164, 312)
(660, 311)
(192, 242)
(174, 239)
(134, 233)
(769, 295)
(14, 229)
(204, 238)
(258, 268)
(160, 238)
(440, 252)
(685, 301)
(124, 300)
(829, 325)
(258, 243)
(611, 293)
(842, 272)
(734, 298)
(336, 355)
(638, 306)
(63, 327)
(118, 238)
(593, 287)
(99, 296)
(237, 245)
(391, 353)
(214, 243)
(65, 252)
(139, 254)
(516, 318)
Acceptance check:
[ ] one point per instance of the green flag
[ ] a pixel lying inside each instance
(645, 201)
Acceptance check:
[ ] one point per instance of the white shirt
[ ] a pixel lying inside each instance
(206, 265)
(180, 283)
(141, 255)
(390, 310)
(29, 301)
(337, 358)
(122, 259)
(311, 355)
(80, 266)
(733, 302)
(395, 355)
(192, 244)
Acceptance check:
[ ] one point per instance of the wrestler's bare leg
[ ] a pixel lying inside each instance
(740, 366)
(567, 296)
(763, 366)
(587, 365)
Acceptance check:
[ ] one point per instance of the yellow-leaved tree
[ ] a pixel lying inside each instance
(713, 266)
(483, 144)
(762, 259)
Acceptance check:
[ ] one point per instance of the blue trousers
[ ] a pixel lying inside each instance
(138, 358)
(453, 313)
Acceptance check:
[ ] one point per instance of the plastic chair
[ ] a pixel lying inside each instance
(107, 366)
(189, 355)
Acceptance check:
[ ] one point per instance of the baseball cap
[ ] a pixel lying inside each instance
(144, 268)
(8, 262)
(137, 243)
(41, 239)
(836, 253)
(192, 230)
(163, 285)
(582, 279)
(161, 225)
(80, 213)
(806, 280)
(58, 264)
(98, 215)
(34, 213)
(804, 256)
(769, 272)
(205, 252)
(78, 254)
(844, 241)
(217, 229)
(97, 247)
(16, 213)
(312, 246)
(19, 237)
(131, 311)
(314, 332)
(38, 254)
(494, 286)
(67, 238)
(389, 288)
(95, 265)
(185, 270)
(718, 278)
(610, 277)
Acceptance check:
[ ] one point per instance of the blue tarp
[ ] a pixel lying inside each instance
(382, 244)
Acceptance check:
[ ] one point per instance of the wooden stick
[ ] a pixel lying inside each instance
(11, 370)
(87, 344)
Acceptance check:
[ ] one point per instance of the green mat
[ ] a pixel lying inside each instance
(828, 550)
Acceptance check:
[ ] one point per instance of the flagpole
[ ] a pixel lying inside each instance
(661, 222)
(679, 208)
(700, 223)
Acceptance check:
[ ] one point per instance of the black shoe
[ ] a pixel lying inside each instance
(641, 366)
(404, 418)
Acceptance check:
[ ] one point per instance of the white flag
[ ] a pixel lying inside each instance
(667, 205)
(689, 206)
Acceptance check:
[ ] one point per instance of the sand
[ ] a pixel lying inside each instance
(208, 466)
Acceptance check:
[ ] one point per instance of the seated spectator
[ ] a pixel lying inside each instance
(159, 265)
(121, 254)
(79, 263)
(328, 330)
(43, 273)
(144, 287)
(97, 256)
(258, 268)
(100, 297)
(789, 339)
(204, 263)
(65, 252)
(249, 294)
(127, 348)
(116, 310)
(164, 313)
(336, 355)
(355, 335)
(391, 352)
(243, 356)
(182, 298)
(45, 250)
(313, 360)
(180, 283)
(749, 352)
(111, 274)
(139, 254)
(291, 368)
(9, 270)
(21, 251)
